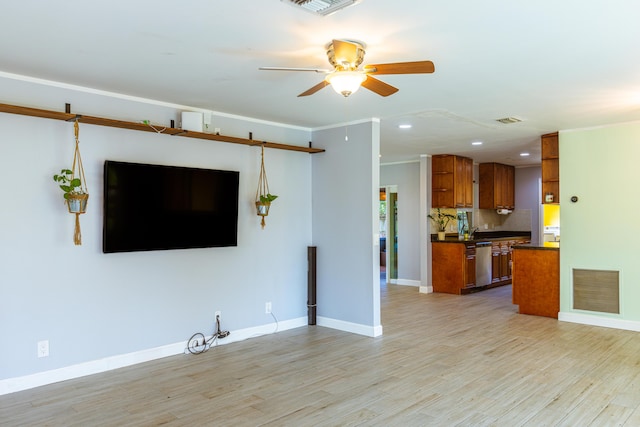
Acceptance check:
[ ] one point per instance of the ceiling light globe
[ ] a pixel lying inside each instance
(345, 82)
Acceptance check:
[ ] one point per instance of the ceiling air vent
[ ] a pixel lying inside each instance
(509, 120)
(322, 7)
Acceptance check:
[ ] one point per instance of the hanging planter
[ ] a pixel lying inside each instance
(263, 197)
(73, 183)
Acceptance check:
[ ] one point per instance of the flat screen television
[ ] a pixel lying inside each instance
(155, 207)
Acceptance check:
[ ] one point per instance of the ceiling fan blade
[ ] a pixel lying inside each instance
(317, 70)
(379, 87)
(345, 51)
(314, 89)
(417, 67)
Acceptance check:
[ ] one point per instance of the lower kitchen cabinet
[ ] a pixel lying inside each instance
(501, 259)
(453, 267)
(470, 266)
(536, 281)
(456, 265)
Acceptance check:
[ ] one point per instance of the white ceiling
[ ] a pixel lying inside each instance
(554, 64)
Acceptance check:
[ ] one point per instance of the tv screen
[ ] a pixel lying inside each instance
(155, 207)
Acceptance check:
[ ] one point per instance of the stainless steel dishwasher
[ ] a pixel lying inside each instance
(483, 263)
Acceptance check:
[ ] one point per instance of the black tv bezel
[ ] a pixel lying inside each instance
(110, 248)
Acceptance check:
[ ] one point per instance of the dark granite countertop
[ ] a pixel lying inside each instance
(483, 237)
(554, 246)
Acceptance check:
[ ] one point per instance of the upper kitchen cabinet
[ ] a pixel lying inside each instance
(497, 186)
(550, 169)
(451, 181)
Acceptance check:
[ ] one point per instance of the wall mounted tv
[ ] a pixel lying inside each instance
(155, 207)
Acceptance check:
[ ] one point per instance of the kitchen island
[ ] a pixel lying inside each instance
(536, 279)
(465, 266)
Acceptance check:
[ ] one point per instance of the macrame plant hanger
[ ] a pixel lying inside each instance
(262, 205)
(77, 201)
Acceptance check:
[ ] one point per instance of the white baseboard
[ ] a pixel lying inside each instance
(426, 289)
(12, 385)
(407, 282)
(354, 328)
(606, 322)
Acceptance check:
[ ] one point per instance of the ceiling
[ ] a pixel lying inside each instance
(555, 65)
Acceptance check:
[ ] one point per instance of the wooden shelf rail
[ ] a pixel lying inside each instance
(56, 115)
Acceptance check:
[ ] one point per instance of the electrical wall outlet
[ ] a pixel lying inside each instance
(43, 348)
(218, 314)
(267, 307)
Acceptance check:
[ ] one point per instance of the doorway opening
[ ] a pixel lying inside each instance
(388, 213)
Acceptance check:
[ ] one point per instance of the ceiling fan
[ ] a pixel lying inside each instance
(345, 78)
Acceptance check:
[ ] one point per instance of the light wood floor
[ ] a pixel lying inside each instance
(444, 360)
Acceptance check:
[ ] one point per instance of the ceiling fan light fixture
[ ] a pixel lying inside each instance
(345, 82)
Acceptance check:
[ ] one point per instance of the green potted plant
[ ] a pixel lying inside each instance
(75, 196)
(441, 219)
(264, 203)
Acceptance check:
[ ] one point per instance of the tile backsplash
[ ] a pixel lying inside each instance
(518, 220)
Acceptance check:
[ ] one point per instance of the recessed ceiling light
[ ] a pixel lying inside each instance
(476, 143)
(404, 126)
(524, 154)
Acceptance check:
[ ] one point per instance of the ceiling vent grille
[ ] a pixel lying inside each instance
(509, 120)
(322, 7)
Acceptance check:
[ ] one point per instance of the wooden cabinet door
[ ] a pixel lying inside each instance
(442, 181)
(449, 265)
(451, 181)
(497, 186)
(549, 146)
(500, 184)
(470, 265)
(509, 197)
(468, 183)
(470, 271)
(496, 275)
(460, 184)
(504, 264)
(486, 187)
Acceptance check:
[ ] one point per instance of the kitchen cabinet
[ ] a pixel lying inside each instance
(451, 181)
(453, 267)
(550, 168)
(500, 262)
(458, 267)
(536, 280)
(470, 266)
(501, 259)
(497, 186)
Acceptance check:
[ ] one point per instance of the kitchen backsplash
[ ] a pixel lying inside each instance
(518, 220)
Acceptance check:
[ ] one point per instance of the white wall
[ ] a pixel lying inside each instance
(407, 177)
(528, 196)
(102, 311)
(600, 167)
(93, 306)
(345, 227)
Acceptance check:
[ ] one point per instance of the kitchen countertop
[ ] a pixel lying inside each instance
(483, 237)
(545, 246)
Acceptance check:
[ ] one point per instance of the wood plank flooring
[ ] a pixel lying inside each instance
(444, 360)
